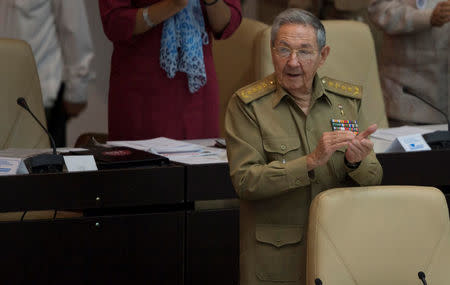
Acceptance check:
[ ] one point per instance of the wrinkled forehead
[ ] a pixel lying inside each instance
(297, 36)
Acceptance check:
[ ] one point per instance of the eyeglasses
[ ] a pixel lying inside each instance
(302, 54)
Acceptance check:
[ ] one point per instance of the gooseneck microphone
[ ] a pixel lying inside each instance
(42, 163)
(22, 103)
(319, 282)
(422, 277)
(437, 139)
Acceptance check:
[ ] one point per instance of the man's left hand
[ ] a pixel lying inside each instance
(74, 109)
(360, 146)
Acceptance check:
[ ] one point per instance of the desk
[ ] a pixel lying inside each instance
(133, 233)
(143, 225)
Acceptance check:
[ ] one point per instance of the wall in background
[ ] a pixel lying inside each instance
(95, 117)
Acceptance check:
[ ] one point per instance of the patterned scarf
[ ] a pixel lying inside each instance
(182, 39)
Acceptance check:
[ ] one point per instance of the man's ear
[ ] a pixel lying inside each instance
(324, 54)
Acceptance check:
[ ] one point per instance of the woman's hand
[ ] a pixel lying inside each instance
(180, 4)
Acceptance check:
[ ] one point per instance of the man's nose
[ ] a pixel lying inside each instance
(293, 60)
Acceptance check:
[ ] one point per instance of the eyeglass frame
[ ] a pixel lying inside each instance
(298, 55)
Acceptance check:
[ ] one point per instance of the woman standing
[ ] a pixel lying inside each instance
(163, 81)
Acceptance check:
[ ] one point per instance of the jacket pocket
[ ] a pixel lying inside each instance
(278, 252)
(337, 162)
(278, 148)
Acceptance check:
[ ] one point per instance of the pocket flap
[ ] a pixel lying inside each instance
(281, 145)
(279, 235)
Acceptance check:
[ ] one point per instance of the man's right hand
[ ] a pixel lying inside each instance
(328, 144)
(441, 14)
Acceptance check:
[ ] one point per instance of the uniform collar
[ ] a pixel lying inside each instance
(317, 92)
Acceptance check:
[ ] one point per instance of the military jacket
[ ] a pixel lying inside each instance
(268, 137)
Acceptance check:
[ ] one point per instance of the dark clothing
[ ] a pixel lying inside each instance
(57, 119)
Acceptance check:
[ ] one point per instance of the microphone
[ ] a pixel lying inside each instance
(422, 277)
(437, 139)
(42, 163)
(317, 281)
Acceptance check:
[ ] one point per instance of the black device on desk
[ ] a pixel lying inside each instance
(121, 157)
(46, 162)
(437, 139)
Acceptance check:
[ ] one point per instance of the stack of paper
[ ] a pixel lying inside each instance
(392, 133)
(178, 151)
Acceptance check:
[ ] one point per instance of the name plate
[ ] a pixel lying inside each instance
(76, 163)
(12, 166)
(409, 143)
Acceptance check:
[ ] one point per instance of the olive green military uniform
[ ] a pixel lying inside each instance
(268, 138)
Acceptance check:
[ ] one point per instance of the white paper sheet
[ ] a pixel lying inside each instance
(392, 133)
(178, 151)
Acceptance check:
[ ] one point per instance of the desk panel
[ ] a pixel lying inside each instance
(138, 249)
(83, 190)
(208, 182)
(212, 247)
(427, 168)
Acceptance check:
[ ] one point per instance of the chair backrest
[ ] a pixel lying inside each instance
(378, 235)
(234, 60)
(19, 78)
(352, 59)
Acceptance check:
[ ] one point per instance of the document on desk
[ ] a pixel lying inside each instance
(178, 151)
(392, 133)
(12, 166)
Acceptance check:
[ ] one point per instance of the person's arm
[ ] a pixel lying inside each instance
(77, 52)
(224, 16)
(157, 13)
(395, 17)
(121, 21)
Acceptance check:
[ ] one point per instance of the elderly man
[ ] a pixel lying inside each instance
(414, 58)
(282, 149)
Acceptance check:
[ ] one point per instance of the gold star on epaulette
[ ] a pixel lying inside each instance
(342, 88)
(256, 90)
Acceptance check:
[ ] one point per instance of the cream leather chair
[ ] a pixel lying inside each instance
(379, 235)
(235, 61)
(19, 78)
(352, 59)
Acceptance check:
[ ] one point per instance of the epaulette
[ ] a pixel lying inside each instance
(342, 88)
(257, 89)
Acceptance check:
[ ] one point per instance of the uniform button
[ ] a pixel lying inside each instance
(283, 147)
(297, 181)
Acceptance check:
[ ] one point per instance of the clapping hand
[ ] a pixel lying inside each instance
(360, 146)
(441, 14)
(328, 144)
